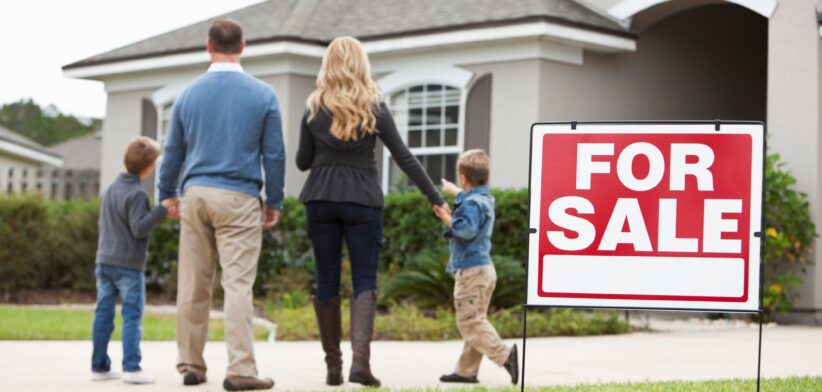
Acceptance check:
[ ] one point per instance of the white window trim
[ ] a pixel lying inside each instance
(628, 8)
(409, 82)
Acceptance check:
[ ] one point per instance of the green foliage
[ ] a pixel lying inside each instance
(45, 244)
(22, 233)
(789, 236)
(425, 281)
(72, 239)
(407, 322)
(410, 226)
(45, 126)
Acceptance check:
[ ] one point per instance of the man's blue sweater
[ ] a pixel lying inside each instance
(224, 128)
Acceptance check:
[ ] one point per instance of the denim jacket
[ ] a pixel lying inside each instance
(471, 227)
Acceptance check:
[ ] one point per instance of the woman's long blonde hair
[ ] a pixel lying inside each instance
(345, 90)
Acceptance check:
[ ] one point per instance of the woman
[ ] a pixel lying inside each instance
(343, 198)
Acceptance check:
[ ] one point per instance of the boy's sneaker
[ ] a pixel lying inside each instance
(104, 376)
(138, 377)
(454, 377)
(512, 365)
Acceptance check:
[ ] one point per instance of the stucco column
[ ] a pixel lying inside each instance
(794, 120)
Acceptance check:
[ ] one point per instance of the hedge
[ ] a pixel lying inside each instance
(51, 245)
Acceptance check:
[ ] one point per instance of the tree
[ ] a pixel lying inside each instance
(47, 126)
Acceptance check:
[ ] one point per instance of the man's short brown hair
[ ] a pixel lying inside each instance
(141, 153)
(475, 165)
(226, 36)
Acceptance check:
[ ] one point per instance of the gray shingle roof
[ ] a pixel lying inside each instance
(320, 21)
(20, 140)
(81, 153)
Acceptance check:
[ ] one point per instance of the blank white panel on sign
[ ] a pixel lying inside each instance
(658, 276)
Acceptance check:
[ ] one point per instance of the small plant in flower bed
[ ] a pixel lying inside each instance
(789, 235)
(405, 321)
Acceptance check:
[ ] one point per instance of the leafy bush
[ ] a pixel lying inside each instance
(407, 322)
(22, 234)
(425, 281)
(72, 244)
(789, 236)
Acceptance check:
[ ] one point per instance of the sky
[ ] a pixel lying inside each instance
(41, 36)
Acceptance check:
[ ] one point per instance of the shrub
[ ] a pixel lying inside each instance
(72, 242)
(789, 235)
(407, 322)
(22, 236)
(425, 281)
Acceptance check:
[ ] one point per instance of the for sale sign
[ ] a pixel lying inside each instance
(663, 216)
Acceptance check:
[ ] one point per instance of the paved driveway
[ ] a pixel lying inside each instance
(685, 353)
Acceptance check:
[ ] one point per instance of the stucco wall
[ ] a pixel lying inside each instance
(292, 90)
(794, 117)
(514, 107)
(701, 64)
(122, 123)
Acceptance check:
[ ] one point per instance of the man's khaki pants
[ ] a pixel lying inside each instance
(473, 288)
(225, 225)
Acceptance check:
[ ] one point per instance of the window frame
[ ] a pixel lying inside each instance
(403, 129)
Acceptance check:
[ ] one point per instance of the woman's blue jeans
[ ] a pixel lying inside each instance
(329, 223)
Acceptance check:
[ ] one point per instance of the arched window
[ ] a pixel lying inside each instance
(429, 118)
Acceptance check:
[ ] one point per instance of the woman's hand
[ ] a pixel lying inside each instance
(444, 213)
(450, 188)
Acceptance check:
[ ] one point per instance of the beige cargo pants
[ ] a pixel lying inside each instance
(225, 225)
(473, 288)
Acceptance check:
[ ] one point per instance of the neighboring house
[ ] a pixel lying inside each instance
(82, 153)
(21, 162)
(461, 74)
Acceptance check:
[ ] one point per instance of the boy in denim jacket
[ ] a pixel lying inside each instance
(469, 236)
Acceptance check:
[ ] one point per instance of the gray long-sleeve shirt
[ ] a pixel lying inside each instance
(126, 220)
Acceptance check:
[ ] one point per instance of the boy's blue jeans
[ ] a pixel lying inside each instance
(130, 286)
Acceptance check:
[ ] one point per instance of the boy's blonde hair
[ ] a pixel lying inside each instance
(141, 153)
(475, 165)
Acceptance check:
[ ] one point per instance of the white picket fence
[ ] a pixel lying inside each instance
(55, 184)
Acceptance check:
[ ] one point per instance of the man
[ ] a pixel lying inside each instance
(222, 126)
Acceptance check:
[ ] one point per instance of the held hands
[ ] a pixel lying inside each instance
(443, 212)
(270, 217)
(450, 188)
(173, 206)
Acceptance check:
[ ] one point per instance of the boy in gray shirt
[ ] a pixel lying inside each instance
(126, 220)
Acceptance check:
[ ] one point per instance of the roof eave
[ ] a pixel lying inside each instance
(30, 154)
(587, 36)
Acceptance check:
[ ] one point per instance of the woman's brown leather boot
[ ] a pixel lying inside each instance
(363, 311)
(329, 319)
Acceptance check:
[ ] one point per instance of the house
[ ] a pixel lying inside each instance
(82, 153)
(21, 160)
(462, 74)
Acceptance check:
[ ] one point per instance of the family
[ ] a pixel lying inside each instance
(224, 145)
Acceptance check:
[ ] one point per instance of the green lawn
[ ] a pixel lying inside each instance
(20, 323)
(798, 384)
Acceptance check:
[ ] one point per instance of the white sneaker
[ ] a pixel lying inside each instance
(104, 376)
(138, 377)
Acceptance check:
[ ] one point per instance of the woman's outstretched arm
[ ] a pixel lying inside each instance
(405, 160)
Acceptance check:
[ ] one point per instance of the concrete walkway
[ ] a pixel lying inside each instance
(686, 351)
